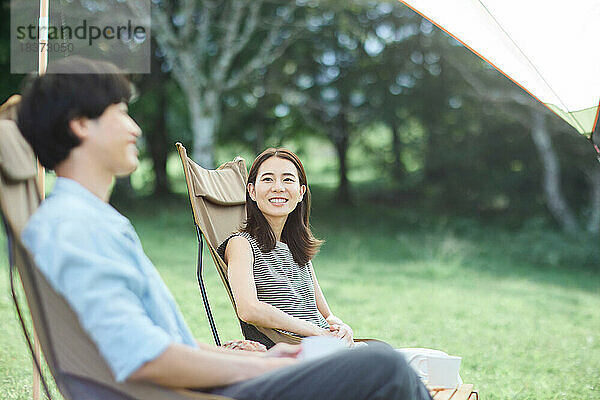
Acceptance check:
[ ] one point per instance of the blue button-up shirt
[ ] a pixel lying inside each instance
(92, 256)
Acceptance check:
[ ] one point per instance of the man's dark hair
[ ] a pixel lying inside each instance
(83, 88)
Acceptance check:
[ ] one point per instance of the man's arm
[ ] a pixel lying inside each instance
(98, 275)
(182, 366)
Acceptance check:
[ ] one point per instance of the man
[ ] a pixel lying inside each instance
(78, 125)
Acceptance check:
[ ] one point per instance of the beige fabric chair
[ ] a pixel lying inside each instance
(74, 361)
(218, 200)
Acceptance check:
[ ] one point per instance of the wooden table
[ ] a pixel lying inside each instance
(462, 392)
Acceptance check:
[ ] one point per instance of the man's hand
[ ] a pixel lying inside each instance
(283, 350)
(245, 345)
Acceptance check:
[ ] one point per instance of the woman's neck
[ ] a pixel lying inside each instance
(277, 225)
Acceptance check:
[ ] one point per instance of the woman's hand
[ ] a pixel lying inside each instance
(340, 330)
(344, 332)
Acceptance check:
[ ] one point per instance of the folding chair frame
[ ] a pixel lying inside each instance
(264, 335)
(209, 315)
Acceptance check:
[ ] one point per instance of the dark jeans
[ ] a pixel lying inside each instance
(372, 372)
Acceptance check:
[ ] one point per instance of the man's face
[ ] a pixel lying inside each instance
(112, 139)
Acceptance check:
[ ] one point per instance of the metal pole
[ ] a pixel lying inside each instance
(43, 24)
(42, 66)
(209, 315)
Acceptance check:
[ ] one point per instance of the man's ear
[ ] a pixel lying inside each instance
(251, 191)
(79, 127)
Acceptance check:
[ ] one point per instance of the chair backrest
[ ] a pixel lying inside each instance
(218, 200)
(73, 359)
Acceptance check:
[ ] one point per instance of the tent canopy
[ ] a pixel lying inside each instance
(549, 48)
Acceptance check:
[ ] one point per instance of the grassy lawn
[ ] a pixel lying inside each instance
(520, 307)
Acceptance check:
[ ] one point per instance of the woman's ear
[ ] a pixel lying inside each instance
(251, 191)
(302, 191)
(79, 127)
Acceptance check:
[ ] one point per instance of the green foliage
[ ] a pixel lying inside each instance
(375, 85)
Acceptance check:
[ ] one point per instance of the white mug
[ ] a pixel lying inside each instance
(319, 346)
(440, 370)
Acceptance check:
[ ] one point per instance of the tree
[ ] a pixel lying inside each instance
(395, 71)
(213, 47)
(153, 109)
(511, 100)
(323, 80)
(253, 117)
(555, 199)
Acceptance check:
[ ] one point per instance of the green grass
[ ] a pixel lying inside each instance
(520, 307)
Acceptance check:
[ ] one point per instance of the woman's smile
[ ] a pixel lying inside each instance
(278, 201)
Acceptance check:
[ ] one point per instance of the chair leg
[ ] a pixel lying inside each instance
(209, 315)
(474, 395)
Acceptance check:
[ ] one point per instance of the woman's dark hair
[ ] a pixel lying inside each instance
(83, 88)
(296, 231)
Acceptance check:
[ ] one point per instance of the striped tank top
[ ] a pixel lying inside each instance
(281, 282)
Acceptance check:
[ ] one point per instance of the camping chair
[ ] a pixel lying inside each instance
(218, 200)
(74, 361)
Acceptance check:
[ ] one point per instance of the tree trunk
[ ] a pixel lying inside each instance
(259, 139)
(155, 131)
(205, 117)
(398, 171)
(157, 138)
(343, 192)
(159, 147)
(555, 200)
(341, 141)
(593, 176)
(123, 191)
(433, 170)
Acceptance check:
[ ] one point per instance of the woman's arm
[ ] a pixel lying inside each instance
(239, 258)
(320, 297)
(337, 326)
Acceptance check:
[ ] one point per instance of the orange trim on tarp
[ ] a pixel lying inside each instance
(595, 124)
(493, 65)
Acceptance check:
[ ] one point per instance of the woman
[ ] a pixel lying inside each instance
(269, 261)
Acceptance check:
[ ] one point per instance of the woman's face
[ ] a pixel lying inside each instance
(277, 190)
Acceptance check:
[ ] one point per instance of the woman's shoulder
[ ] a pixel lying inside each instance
(240, 239)
(236, 239)
(240, 236)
